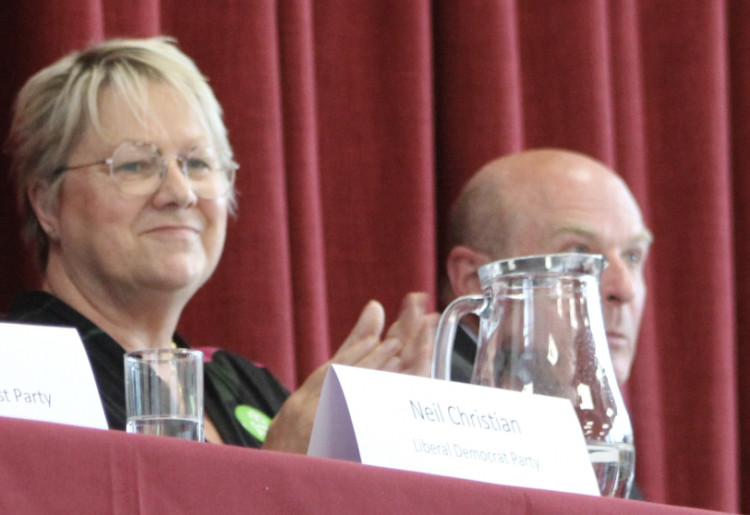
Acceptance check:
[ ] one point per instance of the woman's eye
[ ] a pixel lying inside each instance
(131, 167)
(197, 164)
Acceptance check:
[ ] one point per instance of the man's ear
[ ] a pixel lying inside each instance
(462, 267)
(44, 203)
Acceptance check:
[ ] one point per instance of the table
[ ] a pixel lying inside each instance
(53, 468)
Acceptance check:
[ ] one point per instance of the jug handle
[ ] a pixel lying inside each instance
(446, 331)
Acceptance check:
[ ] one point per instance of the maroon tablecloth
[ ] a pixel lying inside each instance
(51, 468)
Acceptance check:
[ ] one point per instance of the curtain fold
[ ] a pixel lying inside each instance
(303, 184)
(373, 75)
(565, 83)
(686, 128)
(644, 392)
(356, 124)
(478, 92)
(739, 75)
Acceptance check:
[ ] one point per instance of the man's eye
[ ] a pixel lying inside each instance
(578, 249)
(633, 257)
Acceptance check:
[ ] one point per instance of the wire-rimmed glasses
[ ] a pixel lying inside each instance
(139, 169)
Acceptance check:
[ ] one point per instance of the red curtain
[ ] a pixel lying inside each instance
(356, 124)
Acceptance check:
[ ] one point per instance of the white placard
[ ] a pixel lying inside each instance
(45, 375)
(452, 429)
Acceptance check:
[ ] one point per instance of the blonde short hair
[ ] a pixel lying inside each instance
(60, 103)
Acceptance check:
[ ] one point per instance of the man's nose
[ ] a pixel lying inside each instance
(617, 283)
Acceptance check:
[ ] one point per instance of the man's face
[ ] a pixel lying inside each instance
(586, 209)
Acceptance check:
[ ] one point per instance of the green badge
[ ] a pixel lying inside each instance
(253, 420)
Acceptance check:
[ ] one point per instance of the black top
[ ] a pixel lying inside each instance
(240, 397)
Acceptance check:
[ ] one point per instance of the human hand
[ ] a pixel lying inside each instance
(415, 330)
(407, 347)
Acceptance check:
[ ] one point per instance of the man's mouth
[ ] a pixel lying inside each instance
(616, 340)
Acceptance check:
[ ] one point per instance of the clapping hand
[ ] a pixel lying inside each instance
(407, 347)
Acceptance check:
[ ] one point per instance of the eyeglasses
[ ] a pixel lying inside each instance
(139, 169)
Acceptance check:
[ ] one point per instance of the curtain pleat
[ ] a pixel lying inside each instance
(374, 106)
(134, 18)
(478, 92)
(356, 124)
(686, 128)
(644, 391)
(565, 76)
(739, 75)
(303, 186)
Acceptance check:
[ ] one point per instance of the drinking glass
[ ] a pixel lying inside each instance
(164, 393)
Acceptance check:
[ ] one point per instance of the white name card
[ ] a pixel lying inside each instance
(452, 429)
(45, 375)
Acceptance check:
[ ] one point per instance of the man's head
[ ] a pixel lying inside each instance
(550, 201)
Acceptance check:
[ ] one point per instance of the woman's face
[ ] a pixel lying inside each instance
(168, 241)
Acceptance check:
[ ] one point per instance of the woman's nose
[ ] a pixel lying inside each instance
(176, 187)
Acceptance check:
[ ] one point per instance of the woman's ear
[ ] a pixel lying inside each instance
(462, 267)
(44, 203)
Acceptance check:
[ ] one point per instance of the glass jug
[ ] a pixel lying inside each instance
(541, 331)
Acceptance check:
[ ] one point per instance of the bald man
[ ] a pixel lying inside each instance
(548, 201)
